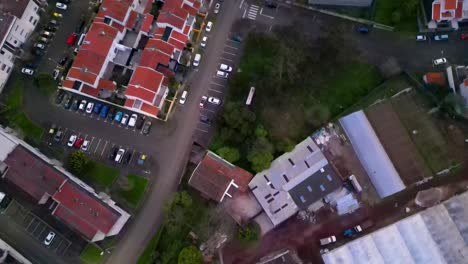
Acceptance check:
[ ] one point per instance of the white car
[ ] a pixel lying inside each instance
(196, 60)
(27, 71)
(225, 68)
(440, 61)
(49, 238)
(222, 74)
(132, 120)
(203, 41)
(61, 6)
(89, 107)
(421, 38)
(55, 74)
(216, 8)
(82, 105)
(214, 100)
(183, 97)
(209, 25)
(39, 46)
(85, 145)
(124, 119)
(203, 101)
(119, 155)
(71, 140)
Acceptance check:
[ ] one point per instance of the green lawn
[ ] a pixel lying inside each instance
(31, 131)
(385, 10)
(91, 254)
(100, 174)
(135, 190)
(146, 257)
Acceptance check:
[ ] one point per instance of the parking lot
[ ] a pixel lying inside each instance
(37, 228)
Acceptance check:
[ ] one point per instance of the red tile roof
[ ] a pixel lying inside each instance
(84, 76)
(446, 14)
(147, 78)
(434, 77)
(459, 10)
(90, 90)
(147, 22)
(116, 9)
(106, 85)
(172, 5)
(129, 102)
(436, 11)
(179, 45)
(214, 174)
(150, 109)
(132, 19)
(179, 36)
(68, 84)
(161, 45)
(141, 93)
(191, 10)
(151, 58)
(32, 174)
(171, 19)
(187, 29)
(450, 4)
(84, 212)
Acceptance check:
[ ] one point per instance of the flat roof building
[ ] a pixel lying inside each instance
(294, 181)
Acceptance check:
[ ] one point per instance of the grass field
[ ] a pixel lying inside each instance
(135, 190)
(100, 174)
(91, 254)
(428, 139)
(146, 258)
(384, 11)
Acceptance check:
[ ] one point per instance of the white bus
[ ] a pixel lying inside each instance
(250, 97)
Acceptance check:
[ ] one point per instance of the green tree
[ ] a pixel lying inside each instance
(284, 145)
(190, 255)
(396, 17)
(317, 115)
(77, 162)
(230, 154)
(249, 233)
(260, 131)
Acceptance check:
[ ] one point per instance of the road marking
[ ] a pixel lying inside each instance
(91, 143)
(202, 130)
(270, 17)
(230, 53)
(218, 84)
(95, 150)
(252, 13)
(226, 59)
(231, 47)
(245, 12)
(131, 158)
(213, 90)
(242, 2)
(102, 152)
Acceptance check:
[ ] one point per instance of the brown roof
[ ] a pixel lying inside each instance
(435, 78)
(14, 7)
(214, 174)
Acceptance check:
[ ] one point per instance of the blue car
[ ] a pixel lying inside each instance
(97, 108)
(362, 29)
(118, 116)
(104, 111)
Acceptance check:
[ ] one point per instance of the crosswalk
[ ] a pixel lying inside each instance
(253, 11)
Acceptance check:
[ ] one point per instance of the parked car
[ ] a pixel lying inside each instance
(203, 41)
(71, 40)
(222, 74)
(61, 6)
(440, 61)
(71, 140)
(118, 116)
(79, 141)
(209, 26)
(89, 107)
(40, 46)
(52, 129)
(225, 67)
(119, 155)
(82, 105)
(124, 119)
(59, 97)
(140, 122)
(183, 97)
(27, 71)
(49, 238)
(113, 153)
(132, 120)
(203, 101)
(216, 8)
(104, 111)
(63, 60)
(75, 104)
(464, 36)
(53, 22)
(51, 28)
(205, 119)
(85, 145)
(97, 108)
(110, 115)
(55, 74)
(68, 103)
(362, 29)
(127, 157)
(214, 100)
(196, 60)
(327, 240)
(58, 135)
(38, 52)
(421, 38)
(146, 128)
(237, 39)
(47, 34)
(357, 229)
(43, 40)
(57, 15)
(443, 37)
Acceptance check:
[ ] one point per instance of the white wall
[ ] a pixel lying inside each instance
(6, 66)
(25, 25)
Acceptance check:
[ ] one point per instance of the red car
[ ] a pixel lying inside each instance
(72, 39)
(464, 36)
(78, 143)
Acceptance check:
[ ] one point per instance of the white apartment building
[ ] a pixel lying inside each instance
(27, 17)
(6, 51)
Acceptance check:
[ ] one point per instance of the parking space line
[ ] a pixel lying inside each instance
(218, 84)
(99, 142)
(91, 142)
(202, 130)
(104, 148)
(226, 59)
(213, 90)
(131, 158)
(209, 110)
(231, 47)
(230, 53)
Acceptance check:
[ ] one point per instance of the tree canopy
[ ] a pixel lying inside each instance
(190, 255)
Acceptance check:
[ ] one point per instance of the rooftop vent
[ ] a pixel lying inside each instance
(102, 33)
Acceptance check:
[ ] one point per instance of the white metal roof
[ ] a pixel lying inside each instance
(372, 155)
(7, 144)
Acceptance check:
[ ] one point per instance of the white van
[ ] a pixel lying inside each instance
(327, 240)
(196, 60)
(119, 155)
(183, 97)
(222, 74)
